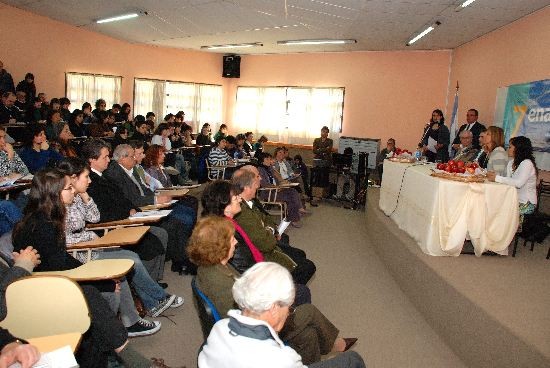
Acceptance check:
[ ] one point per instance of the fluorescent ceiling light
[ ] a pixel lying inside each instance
(117, 18)
(423, 33)
(316, 42)
(232, 46)
(466, 3)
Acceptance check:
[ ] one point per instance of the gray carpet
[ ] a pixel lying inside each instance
(352, 287)
(492, 310)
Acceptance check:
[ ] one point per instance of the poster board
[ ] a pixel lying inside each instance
(368, 145)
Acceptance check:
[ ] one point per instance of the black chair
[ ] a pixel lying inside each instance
(208, 314)
(535, 226)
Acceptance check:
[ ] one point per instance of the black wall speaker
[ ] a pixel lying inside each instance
(231, 66)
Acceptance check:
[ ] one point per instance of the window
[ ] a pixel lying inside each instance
(289, 114)
(82, 88)
(202, 103)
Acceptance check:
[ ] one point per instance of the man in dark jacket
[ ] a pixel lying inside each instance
(121, 173)
(8, 111)
(6, 81)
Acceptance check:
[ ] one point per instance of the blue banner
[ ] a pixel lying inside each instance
(527, 113)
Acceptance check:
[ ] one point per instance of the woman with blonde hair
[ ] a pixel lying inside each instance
(497, 158)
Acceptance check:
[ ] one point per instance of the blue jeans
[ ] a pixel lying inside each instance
(186, 215)
(148, 290)
(10, 214)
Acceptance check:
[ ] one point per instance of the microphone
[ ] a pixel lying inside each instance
(426, 130)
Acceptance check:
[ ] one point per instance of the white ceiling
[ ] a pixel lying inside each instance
(375, 24)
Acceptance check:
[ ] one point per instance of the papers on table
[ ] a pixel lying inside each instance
(431, 145)
(8, 182)
(282, 226)
(177, 187)
(171, 170)
(150, 214)
(60, 358)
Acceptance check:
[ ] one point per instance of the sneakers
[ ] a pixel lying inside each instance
(162, 306)
(143, 327)
(178, 302)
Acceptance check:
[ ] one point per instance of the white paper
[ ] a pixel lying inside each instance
(60, 358)
(282, 226)
(156, 213)
(431, 145)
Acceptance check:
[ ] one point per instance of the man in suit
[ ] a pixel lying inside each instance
(467, 152)
(113, 206)
(8, 111)
(473, 126)
(262, 230)
(121, 173)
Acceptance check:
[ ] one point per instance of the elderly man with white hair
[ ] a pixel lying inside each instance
(249, 337)
(467, 151)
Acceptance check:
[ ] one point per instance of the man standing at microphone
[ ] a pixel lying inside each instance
(436, 139)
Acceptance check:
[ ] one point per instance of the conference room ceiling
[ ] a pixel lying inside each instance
(377, 25)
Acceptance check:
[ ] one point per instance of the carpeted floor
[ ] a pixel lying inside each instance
(352, 287)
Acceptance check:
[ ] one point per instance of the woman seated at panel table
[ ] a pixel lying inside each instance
(496, 158)
(308, 331)
(521, 172)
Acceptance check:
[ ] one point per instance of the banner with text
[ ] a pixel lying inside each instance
(527, 113)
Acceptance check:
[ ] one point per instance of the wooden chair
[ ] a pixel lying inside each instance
(268, 197)
(44, 306)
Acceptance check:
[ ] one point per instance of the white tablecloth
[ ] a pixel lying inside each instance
(440, 214)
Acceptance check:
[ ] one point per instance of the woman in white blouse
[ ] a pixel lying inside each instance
(521, 172)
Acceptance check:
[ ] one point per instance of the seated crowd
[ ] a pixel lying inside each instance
(110, 176)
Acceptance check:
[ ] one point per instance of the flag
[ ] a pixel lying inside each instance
(454, 121)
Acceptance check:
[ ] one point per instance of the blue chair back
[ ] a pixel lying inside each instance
(208, 314)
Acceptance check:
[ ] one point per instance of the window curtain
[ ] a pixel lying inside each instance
(180, 96)
(88, 88)
(148, 96)
(309, 109)
(208, 106)
(289, 114)
(201, 102)
(263, 111)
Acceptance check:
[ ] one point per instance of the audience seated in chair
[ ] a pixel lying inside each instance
(219, 157)
(288, 195)
(121, 172)
(83, 209)
(264, 294)
(41, 228)
(262, 230)
(221, 198)
(162, 138)
(11, 164)
(37, 153)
